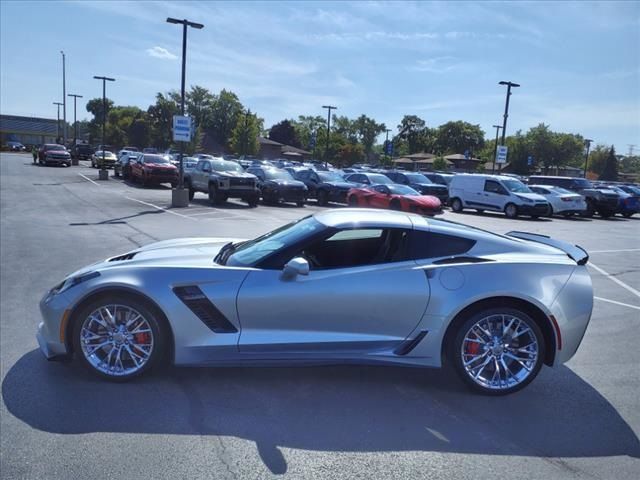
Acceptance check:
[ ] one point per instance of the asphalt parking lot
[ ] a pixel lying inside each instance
(581, 420)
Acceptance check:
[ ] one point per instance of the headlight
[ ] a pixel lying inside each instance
(69, 282)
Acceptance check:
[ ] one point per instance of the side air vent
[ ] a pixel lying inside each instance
(408, 345)
(202, 308)
(126, 256)
(454, 260)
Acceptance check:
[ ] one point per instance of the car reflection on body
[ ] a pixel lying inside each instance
(341, 286)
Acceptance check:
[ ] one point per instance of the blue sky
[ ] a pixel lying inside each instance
(578, 62)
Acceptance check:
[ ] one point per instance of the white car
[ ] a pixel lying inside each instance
(562, 201)
(498, 193)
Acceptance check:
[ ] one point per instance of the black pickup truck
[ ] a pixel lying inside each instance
(600, 200)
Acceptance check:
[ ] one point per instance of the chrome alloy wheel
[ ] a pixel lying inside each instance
(499, 351)
(116, 340)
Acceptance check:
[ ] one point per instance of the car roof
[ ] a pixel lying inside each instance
(369, 217)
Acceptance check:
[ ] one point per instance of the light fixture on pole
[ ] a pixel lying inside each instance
(326, 150)
(495, 150)
(104, 174)
(179, 196)
(587, 143)
(58, 123)
(506, 106)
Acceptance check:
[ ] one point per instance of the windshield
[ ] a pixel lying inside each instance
(155, 159)
(581, 183)
(516, 186)
(376, 178)
(417, 178)
(55, 147)
(330, 177)
(277, 175)
(631, 189)
(253, 251)
(402, 190)
(224, 166)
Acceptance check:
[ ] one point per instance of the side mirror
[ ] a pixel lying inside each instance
(294, 267)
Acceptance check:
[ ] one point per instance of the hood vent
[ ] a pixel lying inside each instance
(126, 256)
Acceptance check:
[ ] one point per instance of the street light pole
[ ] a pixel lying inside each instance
(58, 123)
(587, 143)
(75, 119)
(103, 171)
(326, 150)
(506, 107)
(64, 98)
(178, 197)
(495, 150)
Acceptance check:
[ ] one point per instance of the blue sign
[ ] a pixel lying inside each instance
(388, 148)
(312, 141)
(529, 160)
(466, 154)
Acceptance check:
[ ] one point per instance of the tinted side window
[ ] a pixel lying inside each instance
(393, 176)
(423, 245)
(491, 186)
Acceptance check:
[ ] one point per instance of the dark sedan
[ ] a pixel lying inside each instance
(420, 183)
(278, 185)
(325, 186)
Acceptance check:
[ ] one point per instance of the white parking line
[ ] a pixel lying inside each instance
(615, 251)
(161, 208)
(87, 178)
(614, 279)
(617, 303)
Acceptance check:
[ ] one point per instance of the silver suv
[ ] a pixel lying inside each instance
(222, 179)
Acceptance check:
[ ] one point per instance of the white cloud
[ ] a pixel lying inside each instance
(159, 52)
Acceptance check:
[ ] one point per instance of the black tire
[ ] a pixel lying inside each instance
(627, 214)
(144, 181)
(479, 210)
(455, 351)
(395, 205)
(550, 213)
(253, 201)
(605, 213)
(567, 215)
(456, 205)
(323, 198)
(511, 210)
(590, 210)
(156, 324)
(300, 203)
(352, 201)
(213, 194)
(192, 192)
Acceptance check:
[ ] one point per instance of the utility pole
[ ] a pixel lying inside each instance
(631, 148)
(64, 98)
(326, 151)
(386, 145)
(104, 174)
(180, 197)
(75, 118)
(495, 150)
(587, 143)
(245, 140)
(506, 107)
(58, 123)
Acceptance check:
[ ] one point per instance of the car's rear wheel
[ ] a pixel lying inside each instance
(479, 210)
(251, 201)
(605, 213)
(590, 210)
(323, 197)
(511, 211)
(213, 194)
(456, 205)
(352, 201)
(627, 214)
(300, 203)
(498, 351)
(118, 338)
(395, 205)
(192, 192)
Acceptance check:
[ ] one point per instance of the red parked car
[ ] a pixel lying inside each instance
(152, 169)
(394, 197)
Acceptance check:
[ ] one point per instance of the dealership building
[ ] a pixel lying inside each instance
(27, 130)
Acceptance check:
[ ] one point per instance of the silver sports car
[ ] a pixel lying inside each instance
(340, 286)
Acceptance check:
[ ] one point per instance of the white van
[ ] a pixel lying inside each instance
(498, 193)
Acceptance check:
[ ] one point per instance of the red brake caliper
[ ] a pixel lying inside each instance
(143, 337)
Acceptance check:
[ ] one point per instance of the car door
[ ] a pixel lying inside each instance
(493, 196)
(356, 301)
(381, 198)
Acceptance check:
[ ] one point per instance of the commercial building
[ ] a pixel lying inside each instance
(28, 130)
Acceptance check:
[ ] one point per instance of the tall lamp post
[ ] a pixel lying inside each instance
(506, 106)
(326, 150)
(587, 143)
(180, 197)
(104, 175)
(495, 151)
(75, 118)
(64, 98)
(59, 104)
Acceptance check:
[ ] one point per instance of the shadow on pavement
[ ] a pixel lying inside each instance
(117, 221)
(349, 408)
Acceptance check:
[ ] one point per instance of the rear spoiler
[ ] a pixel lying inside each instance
(576, 253)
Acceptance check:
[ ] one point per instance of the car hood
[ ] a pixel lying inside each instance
(164, 166)
(235, 174)
(344, 185)
(532, 196)
(286, 183)
(179, 252)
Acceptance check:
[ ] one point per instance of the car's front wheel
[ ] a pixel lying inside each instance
(511, 211)
(118, 338)
(498, 351)
(456, 205)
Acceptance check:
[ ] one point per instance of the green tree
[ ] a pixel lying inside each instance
(440, 164)
(95, 107)
(459, 136)
(598, 159)
(244, 136)
(224, 117)
(568, 149)
(284, 132)
(350, 153)
(160, 116)
(306, 127)
(541, 145)
(411, 132)
(345, 128)
(139, 132)
(610, 171)
(367, 130)
(199, 104)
